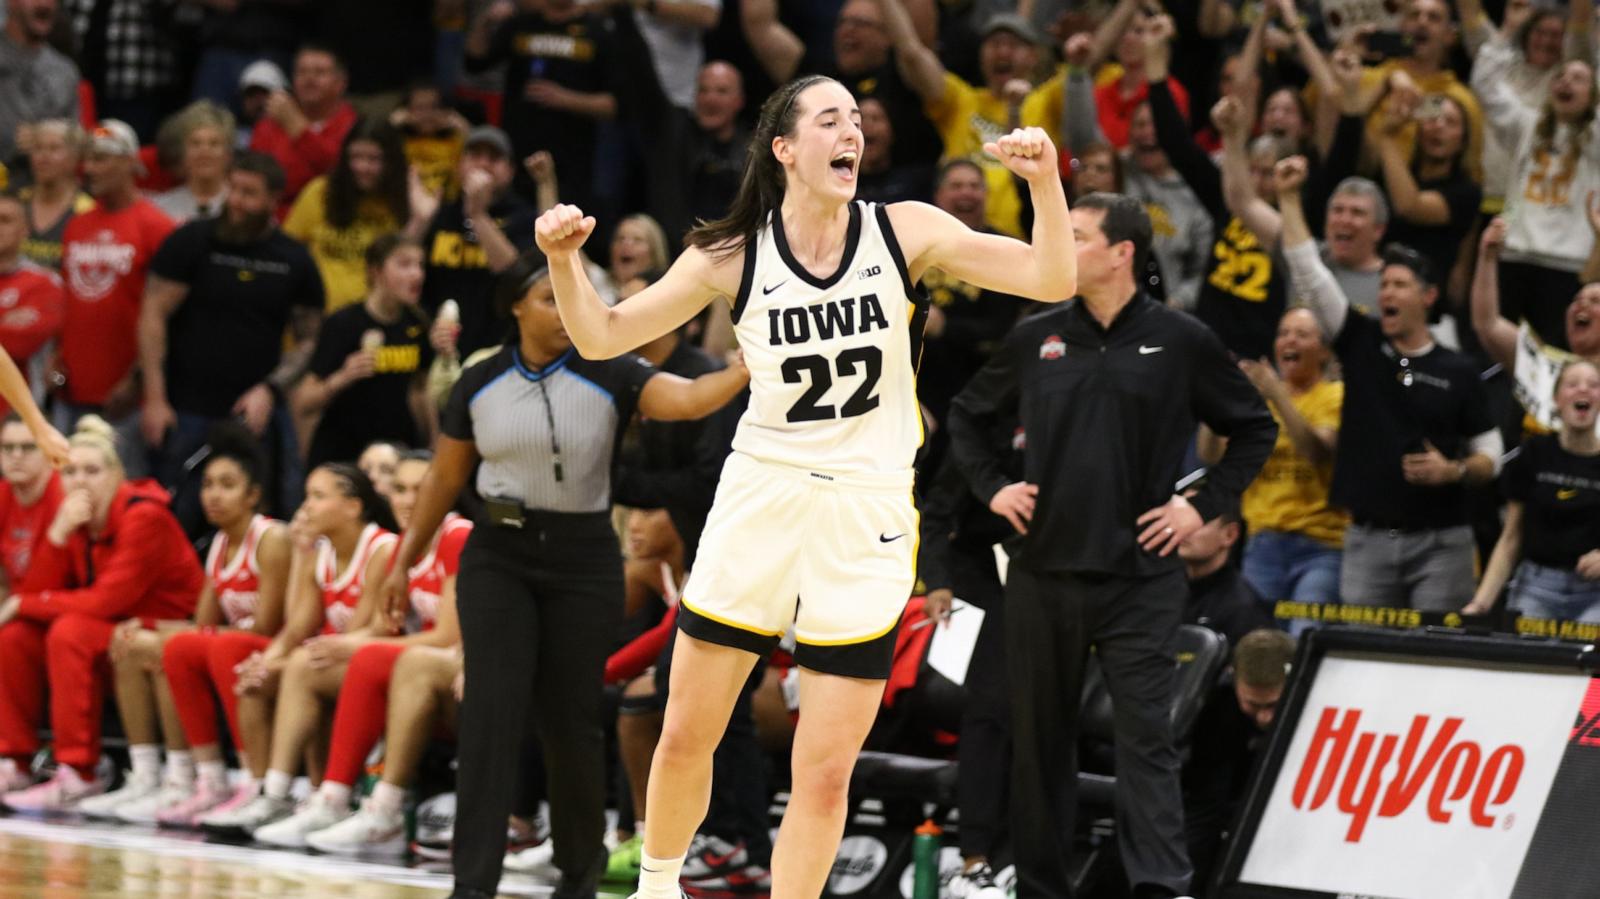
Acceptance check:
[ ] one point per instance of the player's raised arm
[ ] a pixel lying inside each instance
(1046, 269)
(602, 332)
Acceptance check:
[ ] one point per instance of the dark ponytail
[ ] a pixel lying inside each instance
(230, 439)
(374, 508)
(762, 185)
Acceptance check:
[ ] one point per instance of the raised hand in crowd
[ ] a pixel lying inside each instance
(1231, 119)
(1289, 176)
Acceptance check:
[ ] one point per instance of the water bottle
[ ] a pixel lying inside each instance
(925, 861)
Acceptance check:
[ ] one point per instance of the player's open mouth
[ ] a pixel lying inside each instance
(1288, 357)
(1581, 321)
(844, 165)
(1582, 405)
(1389, 311)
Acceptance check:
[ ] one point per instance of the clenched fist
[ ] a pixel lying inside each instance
(562, 229)
(1026, 153)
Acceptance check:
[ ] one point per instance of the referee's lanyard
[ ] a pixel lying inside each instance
(549, 410)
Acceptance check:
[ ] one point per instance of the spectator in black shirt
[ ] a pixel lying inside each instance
(1110, 387)
(1231, 733)
(718, 142)
(881, 179)
(863, 61)
(560, 82)
(1414, 429)
(1242, 294)
(367, 374)
(474, 236)
(1552, 487)
(1434, 196)
(1219, 596)
(218, 298)
(695, 157)
(235, 35)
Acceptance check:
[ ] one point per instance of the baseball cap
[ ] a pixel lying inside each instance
(1014, 23)
(114, 138)
(264, 74)
(489, 136)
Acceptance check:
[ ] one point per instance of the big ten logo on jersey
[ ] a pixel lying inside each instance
(845, 317)
(453, 249)
(403, 359)
(1243, 269)
(572, 45)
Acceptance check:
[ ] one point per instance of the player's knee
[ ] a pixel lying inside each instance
(684, 745)
(826, 778)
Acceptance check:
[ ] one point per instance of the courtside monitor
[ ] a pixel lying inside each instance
(1426, 766)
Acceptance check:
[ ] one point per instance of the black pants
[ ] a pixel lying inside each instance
(540, 608)
(739, 791)
(984, 774)
(1052, 621)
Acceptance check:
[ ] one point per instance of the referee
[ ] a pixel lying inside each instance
(540, 588)
(1109, 387)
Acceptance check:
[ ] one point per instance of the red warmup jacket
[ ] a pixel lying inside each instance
(142, 565)
(305, 157)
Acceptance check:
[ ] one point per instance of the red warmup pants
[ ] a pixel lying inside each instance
(69, 654)
(363, 710)
(199, 662)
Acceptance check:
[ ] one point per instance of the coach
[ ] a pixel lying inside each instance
(1110, 387)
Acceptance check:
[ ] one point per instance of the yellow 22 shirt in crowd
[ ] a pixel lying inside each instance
(340, 253)
(1290, 495)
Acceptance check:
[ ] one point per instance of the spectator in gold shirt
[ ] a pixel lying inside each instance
(1294, 549)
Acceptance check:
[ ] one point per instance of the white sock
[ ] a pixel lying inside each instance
(180, 767)
(213, 774)
(388, 798)
(658, 877)
(276, 784)
(145, 760)
(335, 794)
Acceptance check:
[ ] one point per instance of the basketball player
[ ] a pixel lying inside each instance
(813, 522)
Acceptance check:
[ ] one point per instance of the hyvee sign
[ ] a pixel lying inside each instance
(1414, 780)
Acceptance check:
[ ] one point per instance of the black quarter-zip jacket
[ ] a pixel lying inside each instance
(1109, 414)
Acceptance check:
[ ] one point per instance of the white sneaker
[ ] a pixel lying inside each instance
(106, 805)
(975, 883)
(13, 777)
(143, 810)
(58, 794)
(367, 832)
(315, 814)
(538, 860)
(245, 820)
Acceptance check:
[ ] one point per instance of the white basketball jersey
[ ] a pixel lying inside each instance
(832, 360)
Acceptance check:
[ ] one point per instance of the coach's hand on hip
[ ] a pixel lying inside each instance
(1014, 503)
(1168, 525)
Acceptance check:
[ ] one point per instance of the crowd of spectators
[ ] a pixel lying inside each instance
(248, 247)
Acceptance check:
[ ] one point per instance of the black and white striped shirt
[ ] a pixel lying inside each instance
(508, 409)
